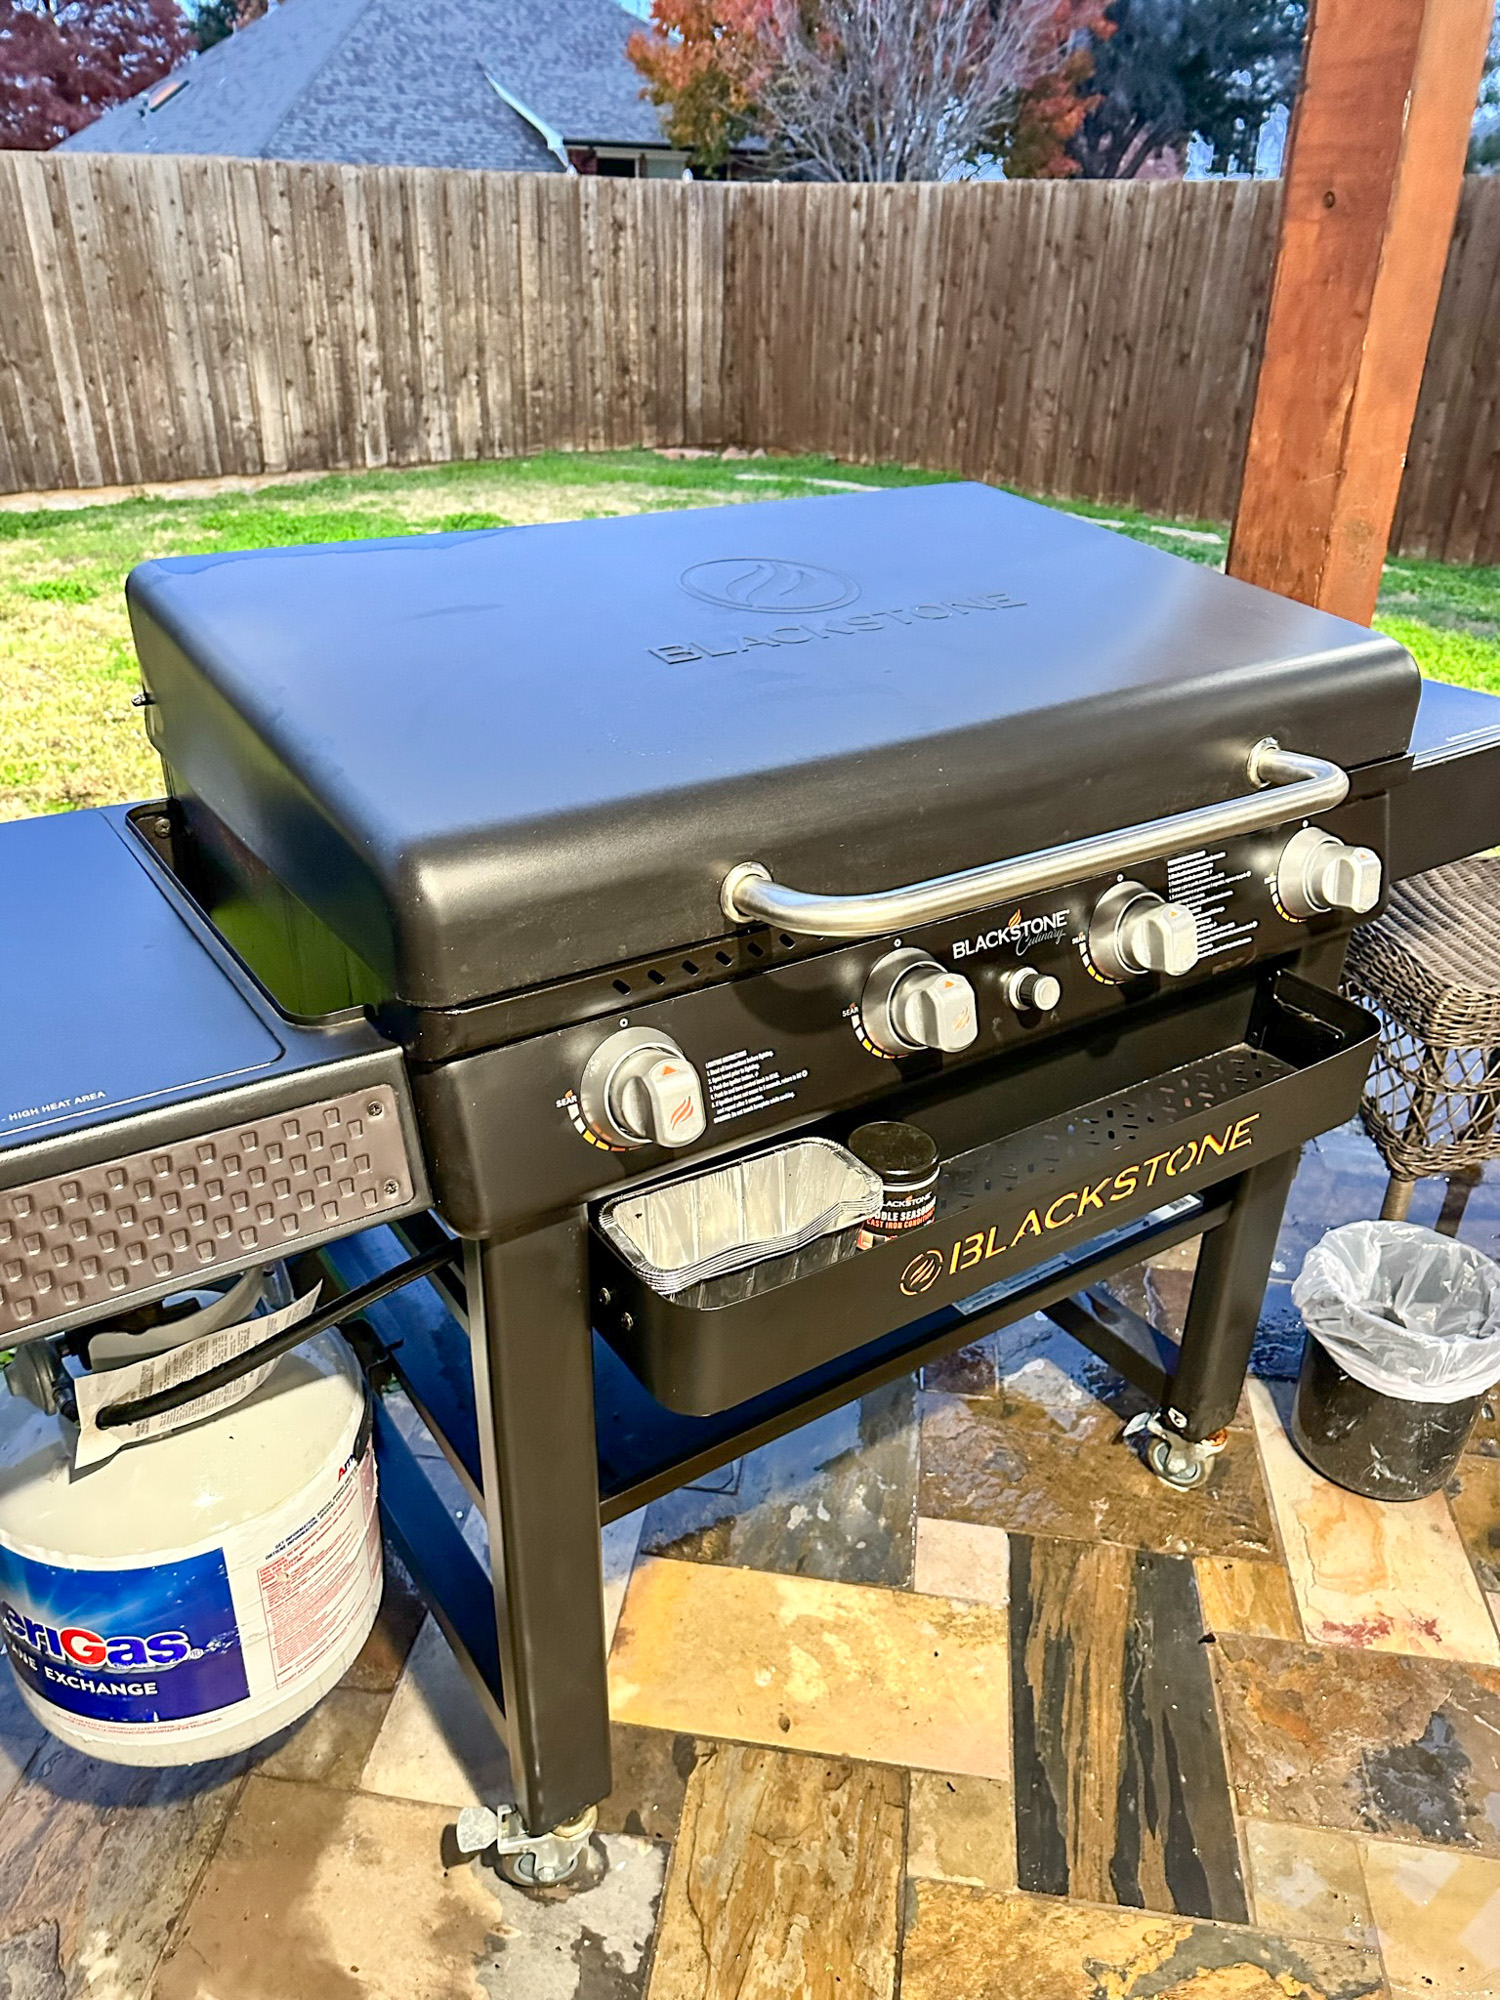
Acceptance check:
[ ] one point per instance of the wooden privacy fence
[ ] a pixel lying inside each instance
(171, 318)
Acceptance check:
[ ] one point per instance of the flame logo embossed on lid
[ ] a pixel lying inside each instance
(768, 583)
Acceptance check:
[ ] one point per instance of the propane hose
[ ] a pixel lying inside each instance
(346, 1306)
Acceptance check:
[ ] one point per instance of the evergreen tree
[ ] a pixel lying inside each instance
(1173, 69)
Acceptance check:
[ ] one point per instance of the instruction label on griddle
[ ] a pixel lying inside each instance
(746, 1081)
(1201, 884)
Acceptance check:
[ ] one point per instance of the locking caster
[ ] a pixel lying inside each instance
(556, 1860)
(1179, 1462)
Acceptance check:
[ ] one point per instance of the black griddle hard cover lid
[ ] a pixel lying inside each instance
(492, 759)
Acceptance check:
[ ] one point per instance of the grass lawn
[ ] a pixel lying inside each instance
(69, 737)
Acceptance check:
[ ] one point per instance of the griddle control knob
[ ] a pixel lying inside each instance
(911, 1002)
(1133, 930)
(1317, 873)
(639, 1089)
(1032, 992)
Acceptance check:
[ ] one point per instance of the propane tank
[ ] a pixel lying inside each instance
(197, 1592)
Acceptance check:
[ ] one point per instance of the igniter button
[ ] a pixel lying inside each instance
(1032, 992)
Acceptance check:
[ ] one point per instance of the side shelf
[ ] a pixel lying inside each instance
(1449, 807)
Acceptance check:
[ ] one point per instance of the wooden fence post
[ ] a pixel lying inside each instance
(1372, 182)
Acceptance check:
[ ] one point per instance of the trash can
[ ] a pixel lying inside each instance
(1403, 1340)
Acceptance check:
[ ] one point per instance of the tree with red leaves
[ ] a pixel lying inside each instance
(1032, 142)
(872, 89)
(62, 62)
(705, 62)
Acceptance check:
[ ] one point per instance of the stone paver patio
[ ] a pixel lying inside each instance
(944, 1695)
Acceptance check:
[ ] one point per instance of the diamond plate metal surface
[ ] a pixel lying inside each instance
(179, 1212)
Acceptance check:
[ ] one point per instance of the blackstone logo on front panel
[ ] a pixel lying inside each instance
(768, 583)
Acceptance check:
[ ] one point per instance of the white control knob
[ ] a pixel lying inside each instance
(639, 1089)
(911, 1002)
(1133, 930)
(1032, 992)
(1318, 872)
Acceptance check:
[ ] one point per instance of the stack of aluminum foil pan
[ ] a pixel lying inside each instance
(769, 1203)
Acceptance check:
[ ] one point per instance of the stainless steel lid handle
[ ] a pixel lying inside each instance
(1287, 786)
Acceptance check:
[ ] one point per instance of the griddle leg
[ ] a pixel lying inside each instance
(1229, 1288)
(534, 1393)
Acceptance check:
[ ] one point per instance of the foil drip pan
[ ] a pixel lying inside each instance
(769, 1203)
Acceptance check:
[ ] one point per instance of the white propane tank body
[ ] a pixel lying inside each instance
(195, 1593)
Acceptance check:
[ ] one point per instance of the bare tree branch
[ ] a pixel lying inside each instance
(892, 90)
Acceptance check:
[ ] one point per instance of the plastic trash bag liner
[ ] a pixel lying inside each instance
(1403, 1310)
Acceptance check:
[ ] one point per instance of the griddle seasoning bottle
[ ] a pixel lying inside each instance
(906, 1160)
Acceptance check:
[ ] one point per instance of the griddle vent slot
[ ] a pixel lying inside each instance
(708, 964)
(436, 1035)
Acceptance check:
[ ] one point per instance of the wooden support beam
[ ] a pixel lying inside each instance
(1372, 181)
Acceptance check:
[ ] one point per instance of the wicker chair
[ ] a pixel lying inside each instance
(1430, 969)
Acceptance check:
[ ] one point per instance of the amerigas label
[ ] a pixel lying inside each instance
(98, 1392)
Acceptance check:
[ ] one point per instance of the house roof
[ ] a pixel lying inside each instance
(442, 83)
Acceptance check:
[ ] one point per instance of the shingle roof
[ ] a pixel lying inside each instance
(400, 82)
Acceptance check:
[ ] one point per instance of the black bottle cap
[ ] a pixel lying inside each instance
(903, 1155)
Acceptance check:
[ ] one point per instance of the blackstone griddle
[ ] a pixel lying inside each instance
(567, 861)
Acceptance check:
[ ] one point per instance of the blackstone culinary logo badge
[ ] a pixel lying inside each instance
(799, 596)
(1018, 932)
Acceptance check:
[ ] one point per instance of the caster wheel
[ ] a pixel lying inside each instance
(588, 1870)
(1177, 1465)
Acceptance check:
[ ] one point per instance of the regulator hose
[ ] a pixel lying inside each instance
(348, 1305)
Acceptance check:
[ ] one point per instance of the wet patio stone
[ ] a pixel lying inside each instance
(836, 1499)
(961, 1830)
(836, 1669)
(1438, 1919)
(1379, 1743)
(1306, 1882)
(979, 1465)
(1474, 1494)
(330, 1745)
(595, 1945)
(21, 1735)
(1121, 1790)
(1484, 1439)
(968, 1371)
(650, 1770)
(1381, 1577)
(377, 1666)
(1041, 1377)
(785, 1881)
(965, 1944)
(341, 1897)
(1242, 1596)
(97, 1863)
